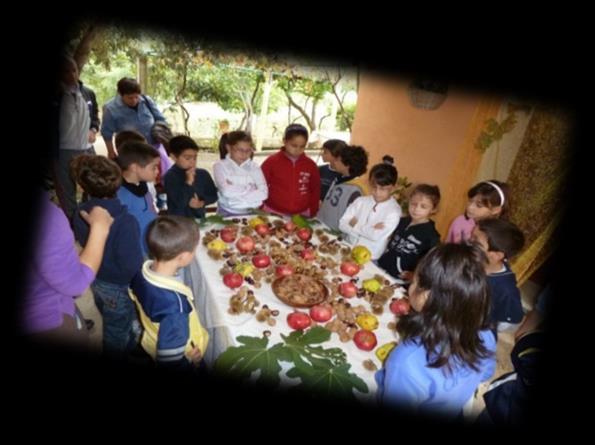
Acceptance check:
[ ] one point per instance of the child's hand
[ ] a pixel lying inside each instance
(353, 221)
(406, 275)
(92, 136)
(98, 217)
(195, 202)
(190, 174)
(195, 356)
(379, 226)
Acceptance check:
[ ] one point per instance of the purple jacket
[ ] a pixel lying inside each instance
(56, 275)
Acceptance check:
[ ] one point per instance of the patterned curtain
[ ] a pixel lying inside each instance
(536, 179)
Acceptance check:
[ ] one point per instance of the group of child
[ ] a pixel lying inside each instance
(461, 292)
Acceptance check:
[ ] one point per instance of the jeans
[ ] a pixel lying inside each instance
(119, 316)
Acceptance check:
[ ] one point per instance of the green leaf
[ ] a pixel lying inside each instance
(321, 371)
(253, 355)
(301, 221)
(214, 219)
(300, 346)
(333, 232)
(330, 381)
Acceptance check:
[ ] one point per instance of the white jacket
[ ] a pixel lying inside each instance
(240, 187)
(369, 213)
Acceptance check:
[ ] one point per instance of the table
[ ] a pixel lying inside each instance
(212, 302)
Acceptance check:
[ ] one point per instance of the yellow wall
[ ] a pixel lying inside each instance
(431, 146)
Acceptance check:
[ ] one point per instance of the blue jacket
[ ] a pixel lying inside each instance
(170, 309)
(505, 296)
(122, 257)
(141, 207)
(407, 381)
(179, 193)
(117, 116)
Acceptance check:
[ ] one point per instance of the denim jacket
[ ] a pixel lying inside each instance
(117, 116)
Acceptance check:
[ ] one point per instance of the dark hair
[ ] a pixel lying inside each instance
(295, 130)
(128, 136)
(490, 196)
(384, 173)
(128, 85)
(178, 144)
(232, 138)
(133, 152)
(334, 146)
(457, 307)
(503, 236)
(99, 176)
(161, 133)
(356, 158)
(168, 236)
(388, 160)
(431, 191)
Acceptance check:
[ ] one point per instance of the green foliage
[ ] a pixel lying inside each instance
(213, 219)
(494, 130)
(103, 82)
(321, 371)
(345, 117)
(400, 193)
(253, 355)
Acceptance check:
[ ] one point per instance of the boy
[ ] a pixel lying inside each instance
(100, 177)
(139, 163)
(328, 173)
(172, 335)
(415, 235)
(501, 240)
(189, 189)
(350, 162)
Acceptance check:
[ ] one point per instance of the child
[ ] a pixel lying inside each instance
(139, 163)
(239, 180)
(415, 234)
(189, 189)
(328, 172)
(161, 134)
(507, 399)
(371, 219)
(488, 199)
(446, 347)
(350, 162)
(292, 178)
(172, 335)
(100, 177)
(501, 240)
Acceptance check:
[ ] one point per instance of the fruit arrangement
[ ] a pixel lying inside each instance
(310, 268)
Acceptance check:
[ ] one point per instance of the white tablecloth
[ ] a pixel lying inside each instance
(212, 301)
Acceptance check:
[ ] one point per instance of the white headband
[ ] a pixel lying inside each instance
(499, 190)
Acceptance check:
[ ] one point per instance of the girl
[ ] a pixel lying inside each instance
(292, 178)
(240, 183)
(488, 199)
(370, 220)
(446, 347)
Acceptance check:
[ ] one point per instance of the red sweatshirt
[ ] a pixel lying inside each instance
(293, 187)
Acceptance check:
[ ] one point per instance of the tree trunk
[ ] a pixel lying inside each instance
(339, 100)
(180, 100)
(261, 125)
(300, 109)
(141, 73)
(83, 49)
